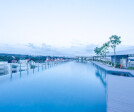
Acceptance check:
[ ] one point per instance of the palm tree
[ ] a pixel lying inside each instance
(114, 40)
(105, 48)
(97, 51)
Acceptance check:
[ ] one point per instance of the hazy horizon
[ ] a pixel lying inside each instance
(64, 27)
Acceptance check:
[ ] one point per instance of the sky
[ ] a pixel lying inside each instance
(66, 27)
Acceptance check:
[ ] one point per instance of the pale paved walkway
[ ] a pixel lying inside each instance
(111, 69)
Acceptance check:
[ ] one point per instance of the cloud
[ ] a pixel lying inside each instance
(31, 49)
(74, 50)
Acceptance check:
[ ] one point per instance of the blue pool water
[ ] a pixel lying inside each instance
(68, 87)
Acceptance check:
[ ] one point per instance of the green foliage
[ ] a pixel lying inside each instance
(105, 48)
(110, 63)
(6, 58)
(114, 40)
(130, 68)
(97, 51)
(117, 65)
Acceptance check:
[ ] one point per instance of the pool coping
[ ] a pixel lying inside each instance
(112, 69)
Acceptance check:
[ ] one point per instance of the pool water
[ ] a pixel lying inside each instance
(67, 87)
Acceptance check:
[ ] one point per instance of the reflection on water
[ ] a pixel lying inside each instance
(121, 74)
(102, 77)
(101, 74)
(119, 90)
(69, 87)
(100, 70)
(15, 74)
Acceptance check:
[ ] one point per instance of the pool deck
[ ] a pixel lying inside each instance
(112, 69)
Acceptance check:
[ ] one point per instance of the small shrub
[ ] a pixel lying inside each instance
(117, 65)
(130, 68)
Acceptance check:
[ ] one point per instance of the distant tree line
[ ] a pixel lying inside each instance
(10, 57)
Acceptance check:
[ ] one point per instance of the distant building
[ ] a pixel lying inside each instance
(121, 59)
(14, 61)
(4, 68)
(47, 59)
(23, 61)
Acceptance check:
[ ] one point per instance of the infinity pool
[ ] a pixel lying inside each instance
(68, 87)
